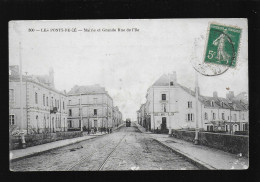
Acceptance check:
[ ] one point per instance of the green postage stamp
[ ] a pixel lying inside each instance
(223, 45)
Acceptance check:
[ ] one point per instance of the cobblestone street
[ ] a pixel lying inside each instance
(124, 149)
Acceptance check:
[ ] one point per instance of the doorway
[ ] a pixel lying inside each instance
(163, 127)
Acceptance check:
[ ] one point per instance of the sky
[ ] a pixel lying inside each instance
(126, 62)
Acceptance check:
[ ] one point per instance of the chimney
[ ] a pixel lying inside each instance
(215, 94)
(230, 95)
(14, 70)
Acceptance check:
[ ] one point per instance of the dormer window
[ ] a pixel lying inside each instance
(171, 83)
(212, 103)
(222, 104)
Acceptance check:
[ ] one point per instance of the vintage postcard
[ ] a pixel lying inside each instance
(142, 94)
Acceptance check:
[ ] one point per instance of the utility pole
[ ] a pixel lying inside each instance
(196, 140)
(21, 99)
(26, 103)
(153, 113)
(169, 104)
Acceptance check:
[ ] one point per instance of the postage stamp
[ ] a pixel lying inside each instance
(222, 45)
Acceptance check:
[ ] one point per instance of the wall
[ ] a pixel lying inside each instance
(230, 143)
(38, 139)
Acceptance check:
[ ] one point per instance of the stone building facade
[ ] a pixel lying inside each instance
(117, 117)
(170, 105)
(44, 108)
(90, 106)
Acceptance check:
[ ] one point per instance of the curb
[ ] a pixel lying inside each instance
(118, 127)
(193, 160)
(41, 152)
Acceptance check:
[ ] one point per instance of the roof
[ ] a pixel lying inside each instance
(90, 89)
(43, 79)
(16, 78)
(162, 81)
(227, 104)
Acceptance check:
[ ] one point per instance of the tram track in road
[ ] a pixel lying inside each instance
(84, 159)
(109, 155)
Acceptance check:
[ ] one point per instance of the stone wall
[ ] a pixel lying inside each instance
(38, 139)
(235, 144)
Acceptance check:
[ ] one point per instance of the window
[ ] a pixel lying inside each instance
(171, 83)
(212, 103)
(36, 98)
(223, 116)
(206, 116)
(58, 104)
(79, 111)
(190, 117)
(43, 99)
(70, 112)
(235, 117)
(11, 95)
(163, 96)
(51, 101)
(213, 116)
(47, 101)
(11, 119)
(228, 117)
(79, 101)
(69, 102)
(243, 116)
(189, 104)
(95, 111)
(226, 127)
(63, 105)
(209, 128)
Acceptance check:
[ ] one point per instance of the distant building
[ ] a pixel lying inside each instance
(117, 117)
(170, 105)
(92, 106)
(44, 107)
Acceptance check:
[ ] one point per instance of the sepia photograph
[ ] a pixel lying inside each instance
(128, 94)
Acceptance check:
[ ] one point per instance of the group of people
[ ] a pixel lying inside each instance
(94, 130)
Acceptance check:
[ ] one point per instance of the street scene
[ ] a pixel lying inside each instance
(125, 149)
(128, 95)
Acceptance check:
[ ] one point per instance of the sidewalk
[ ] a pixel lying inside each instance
(203, 156)
(31, 151)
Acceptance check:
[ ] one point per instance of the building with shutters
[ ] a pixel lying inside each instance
(170, 105)
(44, 107)
(91, 106)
